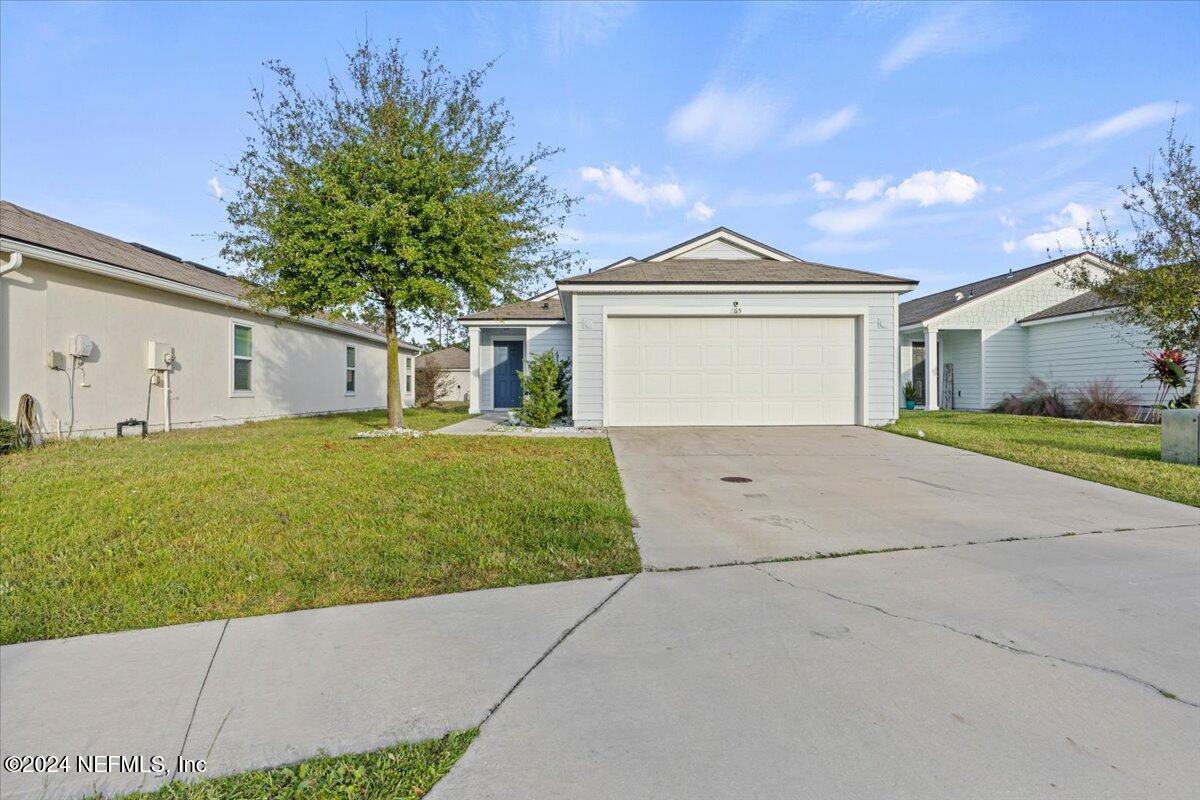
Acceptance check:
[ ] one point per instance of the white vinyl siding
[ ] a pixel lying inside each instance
(880, 325)
(1005, 363)
(961, 349)
(1073, 352)
(717, 249)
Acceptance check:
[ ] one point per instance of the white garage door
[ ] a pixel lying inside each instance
(731, 371)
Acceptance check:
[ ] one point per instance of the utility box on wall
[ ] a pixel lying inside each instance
(1181, 435)
(160, 355)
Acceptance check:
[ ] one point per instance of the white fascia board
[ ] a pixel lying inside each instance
(522, 323)
(722, 288)
(1099, 312)
(548, 293)
(82, 264)
(732, 238)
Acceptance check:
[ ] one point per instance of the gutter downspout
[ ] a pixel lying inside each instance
(12, 264)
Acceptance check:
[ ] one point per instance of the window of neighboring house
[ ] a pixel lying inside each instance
(408, 374)
(243, 358)
(349, 369)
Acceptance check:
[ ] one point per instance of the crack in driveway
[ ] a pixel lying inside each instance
(980, 637)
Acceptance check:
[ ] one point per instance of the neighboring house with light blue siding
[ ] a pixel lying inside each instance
(979, 342)
(718, 330)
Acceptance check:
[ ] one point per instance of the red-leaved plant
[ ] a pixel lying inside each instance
(1169, 368)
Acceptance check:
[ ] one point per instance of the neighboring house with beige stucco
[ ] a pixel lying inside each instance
(456, 363)
(95, 329)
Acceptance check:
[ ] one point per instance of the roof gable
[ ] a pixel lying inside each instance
(924, 309)
(721, 243)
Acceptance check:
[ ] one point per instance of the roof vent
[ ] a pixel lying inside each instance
(545, 304)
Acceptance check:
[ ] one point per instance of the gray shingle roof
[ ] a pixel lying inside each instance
(1088, 301)
(446, 358)
(22, 224)
(722, 270)
(928, 307)
(549, 308)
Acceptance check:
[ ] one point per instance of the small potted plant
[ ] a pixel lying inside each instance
(910, 396)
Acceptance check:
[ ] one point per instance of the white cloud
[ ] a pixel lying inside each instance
(570, 24)
(727, 122)
(1009, 246)
(851, 219)
(955, 29)
(1134, 119)
(822, 185)
(1061, 233)
(629, 185)
(929, 188)
(866, 190)
(823, 129)
(701, 212)
(873, 205)
(1008, 220)
(214, 188)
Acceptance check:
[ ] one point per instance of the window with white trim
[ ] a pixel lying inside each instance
(243, 359)
(350, 369)
(408, 374)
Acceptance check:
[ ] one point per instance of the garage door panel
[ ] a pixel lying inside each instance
(687, 384)
(731, 371)
(717, 356)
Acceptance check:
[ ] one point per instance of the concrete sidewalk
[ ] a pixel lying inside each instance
(261, 691)
(1059, 668)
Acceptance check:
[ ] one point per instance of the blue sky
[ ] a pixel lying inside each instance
(942, 142)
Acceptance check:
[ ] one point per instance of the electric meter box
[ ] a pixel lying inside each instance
(160, 356)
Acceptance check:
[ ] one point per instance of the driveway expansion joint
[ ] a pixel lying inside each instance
(196, 705)
(1001, 645)
(819, 556)
(561, 638)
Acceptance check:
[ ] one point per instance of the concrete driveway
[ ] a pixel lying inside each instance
(835, 490)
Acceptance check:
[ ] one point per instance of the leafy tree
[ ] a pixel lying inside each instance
(1157, 285)
(398, 194)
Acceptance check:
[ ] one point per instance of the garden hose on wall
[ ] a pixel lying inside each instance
(27, 426)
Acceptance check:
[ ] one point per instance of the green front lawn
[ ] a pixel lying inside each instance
(1119, 455)
(105, 535)
(404, 772)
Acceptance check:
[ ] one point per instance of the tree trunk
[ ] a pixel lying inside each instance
(1195, 401)
(394, 404)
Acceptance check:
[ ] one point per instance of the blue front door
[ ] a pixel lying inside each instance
(509, 359)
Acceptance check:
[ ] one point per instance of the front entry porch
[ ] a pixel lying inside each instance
(945, 367)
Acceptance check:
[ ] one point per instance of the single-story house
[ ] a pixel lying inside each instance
(978, 342)
(456, 362)
(96, 329)
(718, 330)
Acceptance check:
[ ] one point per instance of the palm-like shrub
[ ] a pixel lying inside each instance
(544, 389)
(1037, 399)
(1102, 400)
